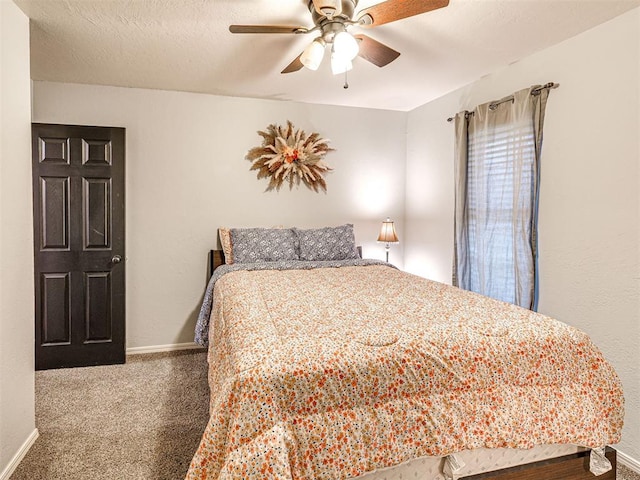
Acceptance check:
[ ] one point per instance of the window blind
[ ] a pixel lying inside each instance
(500, 196)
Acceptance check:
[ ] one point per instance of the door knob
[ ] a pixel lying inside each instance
(116, 259)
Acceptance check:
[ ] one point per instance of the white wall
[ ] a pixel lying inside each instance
(17, 422)
(588, 221)
(186, 176)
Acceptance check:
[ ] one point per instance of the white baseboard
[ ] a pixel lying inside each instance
(629, 462)
(162, 348)
(17, 458)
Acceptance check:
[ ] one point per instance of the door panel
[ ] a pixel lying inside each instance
(78, 179)
(96, 152)
(56, 316)
(53, 150)
(98, 299)
(96, 213)
(54, 195)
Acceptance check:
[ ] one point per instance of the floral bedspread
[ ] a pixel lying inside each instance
(202, 326)
(333, 372)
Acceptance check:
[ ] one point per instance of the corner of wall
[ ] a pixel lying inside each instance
(17, 402)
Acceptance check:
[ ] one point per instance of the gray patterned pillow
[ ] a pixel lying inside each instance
(252, 245)
(329, 243)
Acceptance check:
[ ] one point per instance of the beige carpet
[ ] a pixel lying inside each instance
(142, 420)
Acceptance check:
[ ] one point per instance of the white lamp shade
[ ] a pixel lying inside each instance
(345, 45)
(312, 55)
(340, 64)
(388, 232)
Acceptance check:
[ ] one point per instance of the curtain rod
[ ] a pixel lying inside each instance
(493, 105)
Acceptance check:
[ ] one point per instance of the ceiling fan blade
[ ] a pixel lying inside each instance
(294, 66)
(375, 52)
(393, 10)
(266, 29)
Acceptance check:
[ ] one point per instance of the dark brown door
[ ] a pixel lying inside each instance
(78, 205)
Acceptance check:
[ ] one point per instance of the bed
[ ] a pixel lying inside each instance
(338, 368)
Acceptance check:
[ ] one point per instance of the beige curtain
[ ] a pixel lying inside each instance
(497, 173)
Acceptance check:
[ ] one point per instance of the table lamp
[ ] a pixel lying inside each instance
(388, 235)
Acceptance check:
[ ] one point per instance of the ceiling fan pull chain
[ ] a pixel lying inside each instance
(346, 85)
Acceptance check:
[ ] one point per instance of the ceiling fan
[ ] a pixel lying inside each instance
(333, 18)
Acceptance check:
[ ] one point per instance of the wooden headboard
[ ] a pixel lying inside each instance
(216, 258)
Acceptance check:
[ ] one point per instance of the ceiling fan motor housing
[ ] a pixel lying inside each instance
(330, 26)
(321, 10)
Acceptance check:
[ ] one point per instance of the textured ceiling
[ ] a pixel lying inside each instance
(186, 45)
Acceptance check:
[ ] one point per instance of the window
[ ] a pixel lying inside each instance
(497, 171)
(499, 207)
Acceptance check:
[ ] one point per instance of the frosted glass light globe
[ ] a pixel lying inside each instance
(340, 64)
(345, 45)
(312, 55)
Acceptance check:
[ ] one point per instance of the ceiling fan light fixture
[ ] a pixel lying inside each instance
(345, 45)
(332, 18)
(340, 64)
(313, 54)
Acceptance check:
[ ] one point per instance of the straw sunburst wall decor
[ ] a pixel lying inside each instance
(288, 156)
